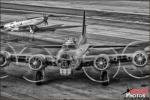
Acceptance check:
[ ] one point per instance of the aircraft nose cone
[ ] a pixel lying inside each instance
(140, 59)
(101, 63)
(35, 63)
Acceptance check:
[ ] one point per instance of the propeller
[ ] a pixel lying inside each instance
(6, 49)
(36, 77)
(139, 60)
(36, 68)
(45, 19)
(50, 15)
(100, 71)
(101, 62)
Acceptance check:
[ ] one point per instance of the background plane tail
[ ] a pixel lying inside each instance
(83, 38)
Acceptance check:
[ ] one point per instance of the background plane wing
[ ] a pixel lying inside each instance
(28, 37)
(48, 15)
(66, 26)
(55, 27)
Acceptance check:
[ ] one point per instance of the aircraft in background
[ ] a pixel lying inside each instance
(30, 24)
(74, 55)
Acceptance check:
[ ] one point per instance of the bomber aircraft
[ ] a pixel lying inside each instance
(74, 55)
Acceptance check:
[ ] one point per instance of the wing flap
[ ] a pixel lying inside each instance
(24, 58)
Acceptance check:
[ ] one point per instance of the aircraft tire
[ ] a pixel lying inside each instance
(104, 78)
(39, 76)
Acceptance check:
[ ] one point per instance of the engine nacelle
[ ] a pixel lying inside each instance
(4, 58)
(101, 62)
(140, 59)
(37, 62)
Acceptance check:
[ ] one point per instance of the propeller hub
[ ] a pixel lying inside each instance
(36, 62)
(140, 59)
(101, 62)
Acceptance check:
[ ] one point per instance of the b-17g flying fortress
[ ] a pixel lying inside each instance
(68, 49)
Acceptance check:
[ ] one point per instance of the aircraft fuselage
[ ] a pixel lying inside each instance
(16, 25)
(71, 57)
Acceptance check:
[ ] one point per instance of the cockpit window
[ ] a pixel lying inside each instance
(71, 46)
(65, 46)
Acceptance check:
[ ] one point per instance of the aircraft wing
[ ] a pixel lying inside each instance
(36, 64)
(140, 44)
(139, 59)
(107, 46)
(25, 58)
(138, 56)
(45, 46)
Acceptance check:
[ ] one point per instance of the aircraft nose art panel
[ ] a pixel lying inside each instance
(65, 64)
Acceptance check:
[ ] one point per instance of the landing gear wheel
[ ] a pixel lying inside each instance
(36, 77)
(104, 78)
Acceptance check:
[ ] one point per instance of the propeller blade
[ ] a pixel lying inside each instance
(45, 19)
(4, 62)
(3, 74)
(35, 77)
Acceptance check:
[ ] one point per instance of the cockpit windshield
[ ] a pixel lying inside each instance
(72, 46)
(69, 44)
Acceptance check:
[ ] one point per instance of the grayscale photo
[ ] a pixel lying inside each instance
(74, 50)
